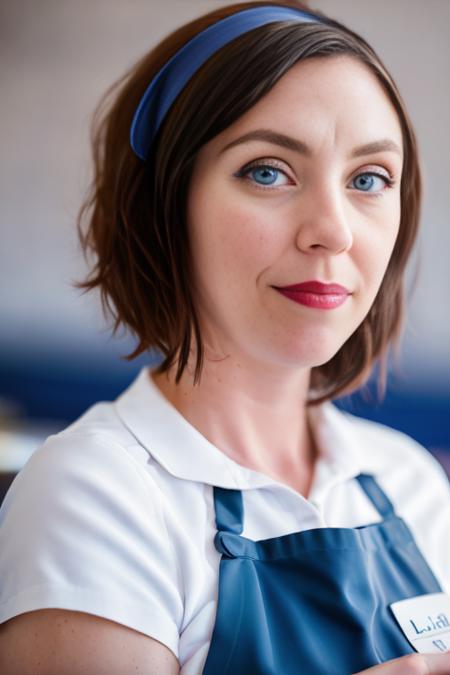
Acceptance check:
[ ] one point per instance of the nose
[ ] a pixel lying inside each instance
(323, 224)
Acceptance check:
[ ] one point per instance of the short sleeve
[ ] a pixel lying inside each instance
(82, 529)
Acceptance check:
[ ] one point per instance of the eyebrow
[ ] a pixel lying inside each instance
(276, 138)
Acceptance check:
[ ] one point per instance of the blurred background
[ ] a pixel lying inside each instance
(56, 354)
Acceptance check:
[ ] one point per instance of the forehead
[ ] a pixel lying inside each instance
(328, 100)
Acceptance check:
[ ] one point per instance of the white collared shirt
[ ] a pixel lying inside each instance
(114, 516)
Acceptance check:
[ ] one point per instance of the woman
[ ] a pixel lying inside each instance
(222, 516)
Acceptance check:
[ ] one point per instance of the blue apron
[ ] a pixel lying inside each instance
(314, 602)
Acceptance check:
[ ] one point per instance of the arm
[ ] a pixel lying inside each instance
(62, 642)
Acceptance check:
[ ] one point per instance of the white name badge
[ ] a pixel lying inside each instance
(425, 620)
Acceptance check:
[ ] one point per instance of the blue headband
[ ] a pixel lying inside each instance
(176, 73)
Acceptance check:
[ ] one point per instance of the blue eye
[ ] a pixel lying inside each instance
(262, 175)
(366, 181)
(266, 174)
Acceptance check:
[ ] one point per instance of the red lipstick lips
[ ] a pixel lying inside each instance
(316, 294)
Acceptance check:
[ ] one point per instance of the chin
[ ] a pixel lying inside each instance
(310, 350)
(304, 357)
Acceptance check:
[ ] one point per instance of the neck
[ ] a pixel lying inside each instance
(254, 415)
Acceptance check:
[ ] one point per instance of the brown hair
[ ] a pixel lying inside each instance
(134, 214)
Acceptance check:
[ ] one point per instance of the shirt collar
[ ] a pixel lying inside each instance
(185, 453)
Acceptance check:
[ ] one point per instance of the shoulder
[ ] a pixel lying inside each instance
(382, 448)
(97, 443)
(92, 460)
(406, 468)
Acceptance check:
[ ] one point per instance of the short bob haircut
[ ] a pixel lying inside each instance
(133, 218)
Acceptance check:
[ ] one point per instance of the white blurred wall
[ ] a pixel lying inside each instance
(58, 56)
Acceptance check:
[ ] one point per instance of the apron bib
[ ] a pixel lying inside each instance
(314, 602)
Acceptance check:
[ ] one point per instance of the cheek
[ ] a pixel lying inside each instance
(374, 255)
(249, 241)
(230, 243)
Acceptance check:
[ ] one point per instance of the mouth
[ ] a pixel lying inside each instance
(316, 287)
(315, 294)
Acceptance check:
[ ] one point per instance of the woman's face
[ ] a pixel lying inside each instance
(311, 203)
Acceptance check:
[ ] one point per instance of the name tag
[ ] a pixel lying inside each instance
(425, 620)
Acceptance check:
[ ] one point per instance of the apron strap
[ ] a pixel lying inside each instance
(229, 505)
(376, 495)
(229, 509)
